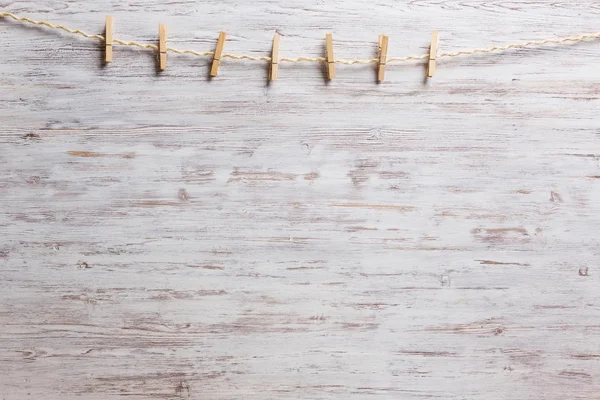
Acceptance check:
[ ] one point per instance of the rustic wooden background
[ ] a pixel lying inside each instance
(168, 236)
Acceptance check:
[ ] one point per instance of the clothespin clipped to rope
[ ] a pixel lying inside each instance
(218, 52)
(433, 50)
(108, 39)
(330, 58)
(274, 59)
(162, 46)
(383, 49)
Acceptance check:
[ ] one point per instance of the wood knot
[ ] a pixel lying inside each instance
(31, 136)
(445, 280)
(182, 194)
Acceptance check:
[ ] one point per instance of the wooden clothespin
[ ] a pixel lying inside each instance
(433, 49)
(274, 59)
(108, 39)
(217, 57)
(162, 46)
(330, 58)
(383, 49)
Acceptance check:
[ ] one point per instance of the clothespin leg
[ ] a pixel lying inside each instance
(214, 70)
(383, 49)
(433, 50)
(330, 57)
(273, 71)
(162, 46)
(108, 39)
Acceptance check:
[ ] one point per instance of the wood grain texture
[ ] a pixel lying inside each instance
(167, 236)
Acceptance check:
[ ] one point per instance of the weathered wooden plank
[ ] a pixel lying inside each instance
(163, 236)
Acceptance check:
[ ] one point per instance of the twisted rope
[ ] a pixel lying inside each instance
(579, 38)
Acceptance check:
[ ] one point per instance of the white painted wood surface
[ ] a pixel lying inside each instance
(167, 236)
